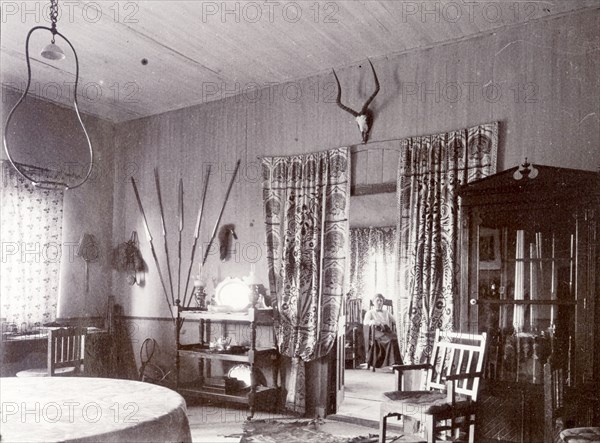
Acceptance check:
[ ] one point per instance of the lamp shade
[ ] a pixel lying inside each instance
(53, 52)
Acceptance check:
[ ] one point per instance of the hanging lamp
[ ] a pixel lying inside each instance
(51, 52)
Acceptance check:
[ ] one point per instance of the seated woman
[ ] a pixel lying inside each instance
(383, 349)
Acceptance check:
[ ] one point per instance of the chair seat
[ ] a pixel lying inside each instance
(581, 435)
(43, 372)
(418, 403)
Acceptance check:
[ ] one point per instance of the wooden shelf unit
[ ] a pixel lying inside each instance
(216, 388)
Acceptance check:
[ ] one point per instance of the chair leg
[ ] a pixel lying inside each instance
(472, 428)
(382, 428)
(456, 431)
(430, 429)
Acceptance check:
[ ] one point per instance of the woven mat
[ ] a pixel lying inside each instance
(293, 430)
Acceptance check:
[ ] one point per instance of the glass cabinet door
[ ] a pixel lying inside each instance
(528, 269)
(525, 297)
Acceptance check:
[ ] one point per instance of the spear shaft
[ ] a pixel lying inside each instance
(214, 233)
(162, 280)
(180, 213)
(196, 235)
(164, 232)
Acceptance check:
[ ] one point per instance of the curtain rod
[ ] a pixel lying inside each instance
(351, 147)
(432, 171)
(358, 147)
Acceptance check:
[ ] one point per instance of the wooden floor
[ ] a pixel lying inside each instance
(363, 393)
(359, 414)
(224, 424)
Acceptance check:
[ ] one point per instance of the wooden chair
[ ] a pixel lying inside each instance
(65, 354)
(566, 408)
(353, 323)
(451, 385)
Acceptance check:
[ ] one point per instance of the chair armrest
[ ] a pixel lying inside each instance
(452, 378)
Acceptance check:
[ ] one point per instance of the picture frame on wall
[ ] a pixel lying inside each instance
(489, 249)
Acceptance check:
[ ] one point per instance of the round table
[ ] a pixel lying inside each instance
(81, 409)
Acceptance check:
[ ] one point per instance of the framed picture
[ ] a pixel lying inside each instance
(489, 249)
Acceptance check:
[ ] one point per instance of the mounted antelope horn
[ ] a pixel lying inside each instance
(364, 118)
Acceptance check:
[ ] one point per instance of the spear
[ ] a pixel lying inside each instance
(180, 212)
(214, 233)
(164, 232)
(162, 280)
(196, 235)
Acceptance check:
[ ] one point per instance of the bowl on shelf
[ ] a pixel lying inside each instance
(238, 379)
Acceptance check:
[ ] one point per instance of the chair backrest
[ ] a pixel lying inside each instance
(457, 353)
(564, 405)
(353, 310)
(554, 392)
(66, 348)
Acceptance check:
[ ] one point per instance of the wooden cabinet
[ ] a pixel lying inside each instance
(529, 266)
(262, 389)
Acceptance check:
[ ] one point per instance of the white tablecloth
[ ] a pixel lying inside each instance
(80, 409)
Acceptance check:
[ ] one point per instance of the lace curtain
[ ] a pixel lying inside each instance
(372, 263)
(306, 200)
(430, 171)
(31, 231)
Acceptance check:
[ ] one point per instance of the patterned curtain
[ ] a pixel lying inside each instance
(372, 263)
(430, 171)
(306, 200)
(31, 231)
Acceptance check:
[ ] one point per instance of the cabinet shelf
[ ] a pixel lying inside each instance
(261, 394)
(247, 357)
(258, 316)
(539, 260)
(492, 301)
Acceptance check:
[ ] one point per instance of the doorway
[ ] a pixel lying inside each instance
(372, 216)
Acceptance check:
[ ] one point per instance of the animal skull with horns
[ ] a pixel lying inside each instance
(364, 118)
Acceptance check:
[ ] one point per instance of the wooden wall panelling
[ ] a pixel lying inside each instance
(510, 51)
(279, 126)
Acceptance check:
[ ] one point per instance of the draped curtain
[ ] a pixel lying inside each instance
(430, 170)
(31, 231)
(372, 263)
(306, 200)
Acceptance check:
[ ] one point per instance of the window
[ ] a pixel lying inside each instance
(31, 234)
(373, 262)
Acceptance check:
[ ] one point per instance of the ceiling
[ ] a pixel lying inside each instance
(202, 51)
